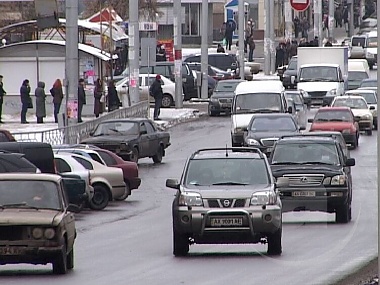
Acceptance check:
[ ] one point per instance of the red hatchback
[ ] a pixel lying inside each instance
(340, 119)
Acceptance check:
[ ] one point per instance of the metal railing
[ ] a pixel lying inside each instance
(75, 133)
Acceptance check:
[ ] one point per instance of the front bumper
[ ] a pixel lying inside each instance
(237, 139)
(319, 101)
(134, 182)
(365, 125)
(220, 107)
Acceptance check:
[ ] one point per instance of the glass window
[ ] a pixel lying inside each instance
(3, 137)
(353, 103)
(255, 101)
(270, 124)
(372, 42)
(117, 128)
(86, 164)
(185, 70)
(369, 83)
(142, 128)
(292, 64)
(323, 73)
(162, 70)
(191, 19)
(95, 157)
(333, 116)
(108, 159)
(357, 75)
(369, 97)
(295, 96)
(358, 42)
(62, 166)
(150, 129)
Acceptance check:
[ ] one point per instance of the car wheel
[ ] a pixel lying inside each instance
(100, 199)
(274, 243)
(355, 143)
(180, 244)
(70, 260)
(126, 193)
(60, 262)
(135, 155)
(167, 101)
(157, 158)
(370, 66)
(343, 214)
(211, 113)
(368, 132)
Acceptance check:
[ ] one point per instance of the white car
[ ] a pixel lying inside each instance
(359, 108)
(168, 88)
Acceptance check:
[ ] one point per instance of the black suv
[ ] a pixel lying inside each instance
(226, 195)
(313, 174)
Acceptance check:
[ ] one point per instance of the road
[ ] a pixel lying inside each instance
(130, 242)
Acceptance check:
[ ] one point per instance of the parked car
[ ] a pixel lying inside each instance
(214, 72)
(222, 198)
(131, 139)
(289, 76)
(313, 175)
(222, 97)
(340, 119)
(37, 224)
(300, 106)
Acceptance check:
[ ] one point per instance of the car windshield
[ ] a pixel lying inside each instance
(227, 171)
(368, 83)
(368, 96)
(223, 86)
(270, 124)
(333, 116)
(353, 103)
(117, 128)
(305, 153)
(319, 73)
(258, 101)
(29, 194)
(295, 96)
(292, 64)
(357, 75)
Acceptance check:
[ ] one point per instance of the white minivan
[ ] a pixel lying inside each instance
(252, 97)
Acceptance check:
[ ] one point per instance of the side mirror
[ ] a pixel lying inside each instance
(172, 183)
(350, 162)
(372, 107)
(282, 182)
(73, 208)
(310, 120)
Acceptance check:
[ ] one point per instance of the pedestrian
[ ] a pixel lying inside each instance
(305, 28)
(40, 102)
(230, 28)
(81, 99)
(57, 93)
(156, 91)
(113, 98)
(26, 100)
(328, 43)
(280, 55)
(220, 49)
(296, 24)
(248, 33)
(345, 18)
(293, 49)
(160, 53)
(98, 93)
(252, 46)
(2, 93)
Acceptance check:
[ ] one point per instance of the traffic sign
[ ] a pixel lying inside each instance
(300, 5)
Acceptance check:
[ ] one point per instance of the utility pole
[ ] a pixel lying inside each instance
(272, 38)
(204, 49)
(177, 10)
(331, 19)
(288, 20)
(378, 150)
(71, 63)
(317, 19)
(241, 38)
(351, 29)
(111, 44)
(133, 52)
(267, 37)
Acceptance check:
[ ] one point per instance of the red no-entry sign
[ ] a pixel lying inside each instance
(300, 5)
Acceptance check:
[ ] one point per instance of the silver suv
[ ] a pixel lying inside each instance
(226, 195)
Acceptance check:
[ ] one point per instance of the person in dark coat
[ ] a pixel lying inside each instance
(293, 49)
(160, 53)
(156, 91)
(57, 93)
(26, 100)
(251, 46)
(98, 93)
(280, 54)
(113, 98)
(2, 93)
(40, 102)
(81, 99)
(230, 28)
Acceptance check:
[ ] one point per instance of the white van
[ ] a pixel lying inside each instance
(251, 97)
(371, 51)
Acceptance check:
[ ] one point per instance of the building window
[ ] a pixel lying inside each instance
(192, 19)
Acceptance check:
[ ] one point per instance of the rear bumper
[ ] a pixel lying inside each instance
(134, 182)
(365, 125)
(118, 191)
(349, 138)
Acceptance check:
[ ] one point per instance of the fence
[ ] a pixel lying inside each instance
(75, 133)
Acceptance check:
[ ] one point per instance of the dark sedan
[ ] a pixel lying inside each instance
(131, 138)
(221, 98)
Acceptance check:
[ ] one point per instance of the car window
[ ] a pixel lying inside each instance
(141, 81)
(353, 103)
(255, 101)
(193, 59)
(223, 86)
(270, 124)
(358, 42)
(368, 83)
(86, 164)
(150, 129)
(62, 166)
(96, 157)
(162, 70)
(296, 98)
(369, 97)
(3, 137)
(108, 159)
(144, 70)
(357, 75)
(116, 128)
(334, 116)
(185, 70)
(143, 127)
(292, 64)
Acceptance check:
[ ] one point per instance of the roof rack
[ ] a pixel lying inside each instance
(232, 149)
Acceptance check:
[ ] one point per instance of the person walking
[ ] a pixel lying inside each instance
(26, 100)
(230, 28)
(113, 97)
(81, 99)
(156, 91)
(57, 93)
(98, 93)
(252, 46)
(40, 102)
(2, 93)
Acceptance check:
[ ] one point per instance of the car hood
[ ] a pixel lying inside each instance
(327, 170)
(267, 135)
(316, 86)
(330, 126)
(22, 216)
(228, 192)
(361, 112)
(109, 139)
(220, 94)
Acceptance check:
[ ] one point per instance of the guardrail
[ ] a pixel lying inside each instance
(75, 133)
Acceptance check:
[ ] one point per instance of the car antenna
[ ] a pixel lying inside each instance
(226, 151)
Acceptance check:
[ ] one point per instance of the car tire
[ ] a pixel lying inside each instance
(100, 199)
(180, 244)
(60, 262)
(157, 158)
(355, 144)
(167, 101)
(368, 132)
(126, 193)
(274, 243)
(343, 213)
(135, 155)
(70, 259)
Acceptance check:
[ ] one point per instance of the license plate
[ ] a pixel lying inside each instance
(226, 222)
(303, 194)
(317, 101)
(12, 250)
(226, 105)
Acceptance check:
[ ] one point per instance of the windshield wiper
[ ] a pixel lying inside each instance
(285, 162)
(336, 120)
(317, 162)
(322, 120)
(229, 183)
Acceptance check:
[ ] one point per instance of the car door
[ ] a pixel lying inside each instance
(153, 137)
(143, 140)
(68, 220)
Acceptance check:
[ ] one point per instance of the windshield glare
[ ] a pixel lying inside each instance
(226, 86)
(117, 128)
(354, 103)
(238, 171)
(305, 153)
(319, 72)
(31, 193)
(333, 116)
(255, 101)
(273, 124)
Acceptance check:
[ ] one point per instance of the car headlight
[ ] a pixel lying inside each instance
(214, 100)
(332, 92)
(346, 131)
(252, 142)
(37, 233)
(263, 198)
(338, 180)
(49, 233)
(366, 117)
(190, 199)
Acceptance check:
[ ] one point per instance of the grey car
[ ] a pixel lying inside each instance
(226, 196)
(222, 97)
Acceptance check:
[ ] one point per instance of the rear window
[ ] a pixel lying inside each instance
(358, 42)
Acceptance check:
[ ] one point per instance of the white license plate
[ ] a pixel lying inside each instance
(303, 194)
(317, 101)
(226, 222)
(226, 105)
(12, 250)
